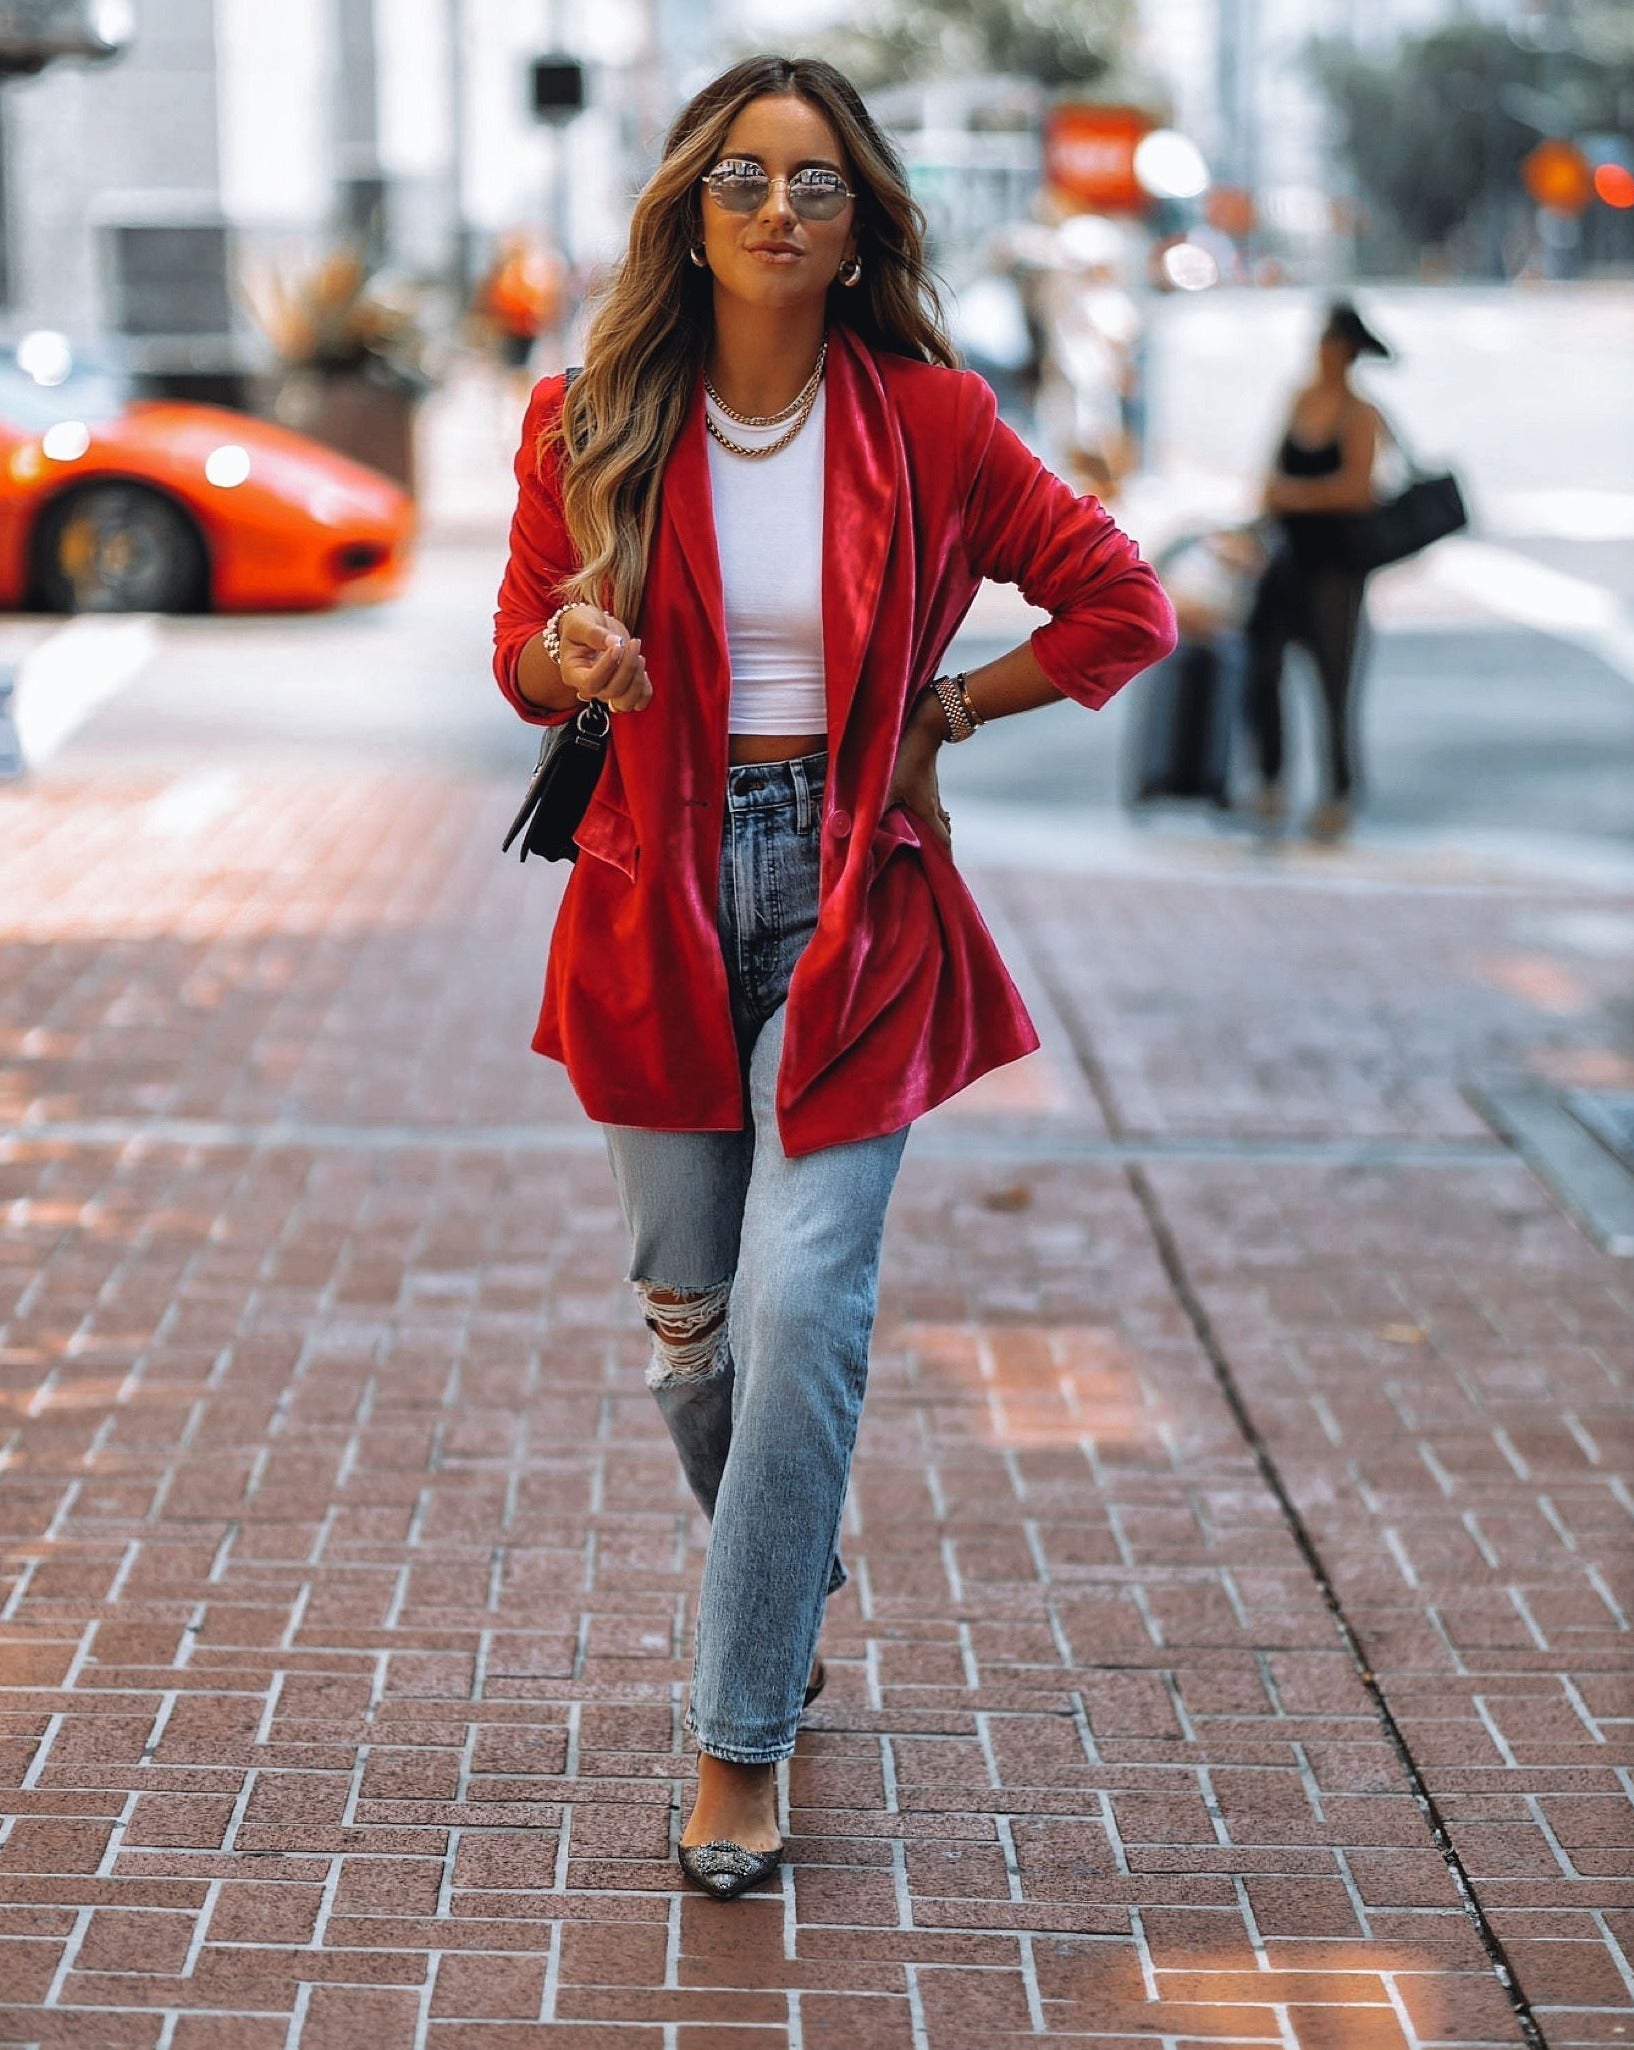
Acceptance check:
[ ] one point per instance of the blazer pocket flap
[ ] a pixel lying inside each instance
(608, 832)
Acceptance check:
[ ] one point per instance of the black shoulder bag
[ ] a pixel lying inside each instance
(1427, 509)
(563, 782)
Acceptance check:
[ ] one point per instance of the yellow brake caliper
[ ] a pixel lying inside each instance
(78, 553)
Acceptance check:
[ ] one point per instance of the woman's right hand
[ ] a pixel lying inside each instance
(600, 660)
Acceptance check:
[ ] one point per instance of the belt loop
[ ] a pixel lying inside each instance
(802, 796)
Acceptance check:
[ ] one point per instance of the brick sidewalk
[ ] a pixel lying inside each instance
(347, 1575)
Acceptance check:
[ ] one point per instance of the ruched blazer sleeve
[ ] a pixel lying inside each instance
(1066, 555)
(542, 556)
(900, 999)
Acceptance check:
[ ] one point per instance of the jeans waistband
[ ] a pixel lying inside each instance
(776, 786)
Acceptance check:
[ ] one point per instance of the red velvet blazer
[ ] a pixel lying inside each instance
(901, 998)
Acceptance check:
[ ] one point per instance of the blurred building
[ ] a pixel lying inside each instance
(238, 130)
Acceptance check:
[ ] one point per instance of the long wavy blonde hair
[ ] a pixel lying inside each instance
(647, 342)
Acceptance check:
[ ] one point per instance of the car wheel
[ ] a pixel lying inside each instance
(118, 547)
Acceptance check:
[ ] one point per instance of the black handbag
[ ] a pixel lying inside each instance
(1429, 508)
(564, 781)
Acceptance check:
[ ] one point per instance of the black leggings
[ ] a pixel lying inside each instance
(1319, 609)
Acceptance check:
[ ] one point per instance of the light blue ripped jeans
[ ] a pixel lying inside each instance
(758, 1276)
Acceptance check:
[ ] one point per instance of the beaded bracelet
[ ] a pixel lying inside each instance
(551, 634)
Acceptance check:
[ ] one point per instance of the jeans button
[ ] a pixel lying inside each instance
(839, 823)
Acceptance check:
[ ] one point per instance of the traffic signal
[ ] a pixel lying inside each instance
(558, 88)
(1614, 183)
(1558, 175)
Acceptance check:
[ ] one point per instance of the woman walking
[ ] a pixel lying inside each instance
(1323, 472)
(751, 527)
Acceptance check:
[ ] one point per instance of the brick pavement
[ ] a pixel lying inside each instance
(347, 1578)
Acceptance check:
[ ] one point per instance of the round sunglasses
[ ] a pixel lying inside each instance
(742, 186)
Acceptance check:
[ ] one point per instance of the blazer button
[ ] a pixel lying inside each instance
(839, 823)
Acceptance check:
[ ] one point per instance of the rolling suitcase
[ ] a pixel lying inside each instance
(1185, 720)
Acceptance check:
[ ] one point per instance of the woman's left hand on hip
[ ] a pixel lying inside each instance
(914, 783)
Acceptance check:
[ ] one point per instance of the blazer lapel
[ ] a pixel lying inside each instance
(688, 512)
(862, 460)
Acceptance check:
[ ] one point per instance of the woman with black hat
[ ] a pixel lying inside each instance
(1309, 596)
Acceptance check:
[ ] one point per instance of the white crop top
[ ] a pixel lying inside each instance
(769, 531)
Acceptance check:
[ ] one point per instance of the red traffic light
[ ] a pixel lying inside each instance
(1614, 183)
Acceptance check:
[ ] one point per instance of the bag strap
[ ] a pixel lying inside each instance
(1392, 434)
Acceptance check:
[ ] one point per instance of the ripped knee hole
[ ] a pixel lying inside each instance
(688, 1329)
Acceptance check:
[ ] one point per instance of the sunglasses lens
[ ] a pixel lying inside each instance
(817, 198)
(739, 191)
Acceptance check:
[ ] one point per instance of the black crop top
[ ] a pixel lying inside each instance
(1295, 459)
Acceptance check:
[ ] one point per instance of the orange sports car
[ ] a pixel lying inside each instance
(114, 504)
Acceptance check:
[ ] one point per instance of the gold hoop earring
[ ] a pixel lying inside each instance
(850, 272)
(699, 256)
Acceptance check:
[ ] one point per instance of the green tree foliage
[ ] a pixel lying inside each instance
(1438, 126)
(1424, 130)
(1056, 42)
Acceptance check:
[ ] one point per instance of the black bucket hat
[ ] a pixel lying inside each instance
(1345, 324)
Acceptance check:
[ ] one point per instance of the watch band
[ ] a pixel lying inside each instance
(961, 715)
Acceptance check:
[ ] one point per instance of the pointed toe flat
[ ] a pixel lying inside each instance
(724, 1870)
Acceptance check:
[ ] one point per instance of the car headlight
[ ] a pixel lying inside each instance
(227, 466)
(66, 442)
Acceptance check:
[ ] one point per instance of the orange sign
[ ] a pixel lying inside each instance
(1089, 157)
(1557, 175)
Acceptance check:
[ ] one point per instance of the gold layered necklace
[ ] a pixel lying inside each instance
(797, 412)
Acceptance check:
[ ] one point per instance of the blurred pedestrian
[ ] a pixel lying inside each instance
(750, 527)
(521, 298)
(1309, 596)
(1089, 379)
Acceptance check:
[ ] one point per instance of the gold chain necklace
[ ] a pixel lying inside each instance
(771, 448)
(802, 398)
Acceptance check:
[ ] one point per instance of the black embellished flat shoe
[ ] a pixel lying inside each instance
(724, 1870)
(816, 1684)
